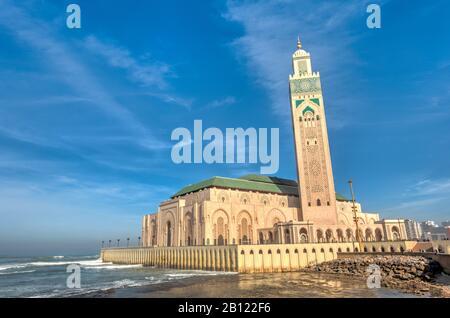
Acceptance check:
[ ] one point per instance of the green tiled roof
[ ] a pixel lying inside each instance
(341, 197)
(250, 183)
(266, 179)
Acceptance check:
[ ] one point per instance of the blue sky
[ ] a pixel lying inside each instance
(86, 115)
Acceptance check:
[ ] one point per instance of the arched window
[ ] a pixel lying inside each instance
(287, 236)
(318, 202)
(303, 235)
(169, 233)
(261, 238)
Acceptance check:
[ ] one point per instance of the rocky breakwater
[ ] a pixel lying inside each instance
(406, 273)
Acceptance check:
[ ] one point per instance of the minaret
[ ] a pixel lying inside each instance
(314, 171)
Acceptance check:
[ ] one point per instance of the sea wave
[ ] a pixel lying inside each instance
(18, 272)
(87, 264)
(11, 266)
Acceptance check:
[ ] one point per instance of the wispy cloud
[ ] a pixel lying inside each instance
(146, 74)
(269, 39)
(429, 187)
(426, 199)
(60, 60)
(229, 100)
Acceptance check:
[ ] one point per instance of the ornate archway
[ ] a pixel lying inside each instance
(244, 227)
(220, 227)
(303, 235)
(378, 235)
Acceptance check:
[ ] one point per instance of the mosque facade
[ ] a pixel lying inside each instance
(256, 209)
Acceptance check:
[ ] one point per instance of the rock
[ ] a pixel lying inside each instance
(408, 273)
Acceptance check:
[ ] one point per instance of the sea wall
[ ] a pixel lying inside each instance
(244, 258)
(212, 258)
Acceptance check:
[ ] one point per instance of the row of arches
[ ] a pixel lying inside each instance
(212, 259)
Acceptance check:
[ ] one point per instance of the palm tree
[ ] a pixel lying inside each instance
(109, 243)
(118, 242)
(139, 241)
(128, 241)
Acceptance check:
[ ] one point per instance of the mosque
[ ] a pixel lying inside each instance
(256, 209)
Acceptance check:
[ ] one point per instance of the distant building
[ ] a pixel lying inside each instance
(432, 231)
(445, 223)
(429, 226)
(435, 236)
(413, 230)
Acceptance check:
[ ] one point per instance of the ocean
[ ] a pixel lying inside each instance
(34, 277)
(47, 276)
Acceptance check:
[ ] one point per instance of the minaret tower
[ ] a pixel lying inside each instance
(314, 171)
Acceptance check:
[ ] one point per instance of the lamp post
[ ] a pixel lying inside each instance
(128, 241)
(355, 215)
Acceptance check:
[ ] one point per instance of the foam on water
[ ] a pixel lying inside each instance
(49, 276)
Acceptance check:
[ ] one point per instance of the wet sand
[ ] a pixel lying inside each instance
(274, 285)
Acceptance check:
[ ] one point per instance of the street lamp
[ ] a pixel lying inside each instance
(118, 242)
(139, 241)
(128, 241)
(355, 216)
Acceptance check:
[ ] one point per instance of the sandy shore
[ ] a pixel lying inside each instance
(288, 285)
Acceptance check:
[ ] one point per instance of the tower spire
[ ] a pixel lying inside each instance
(299, 44)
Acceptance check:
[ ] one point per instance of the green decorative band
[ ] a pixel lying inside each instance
(307, 109)
(316, 100)
(306, 85)
(299, 102)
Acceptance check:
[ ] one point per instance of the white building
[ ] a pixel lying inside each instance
(413, 230)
